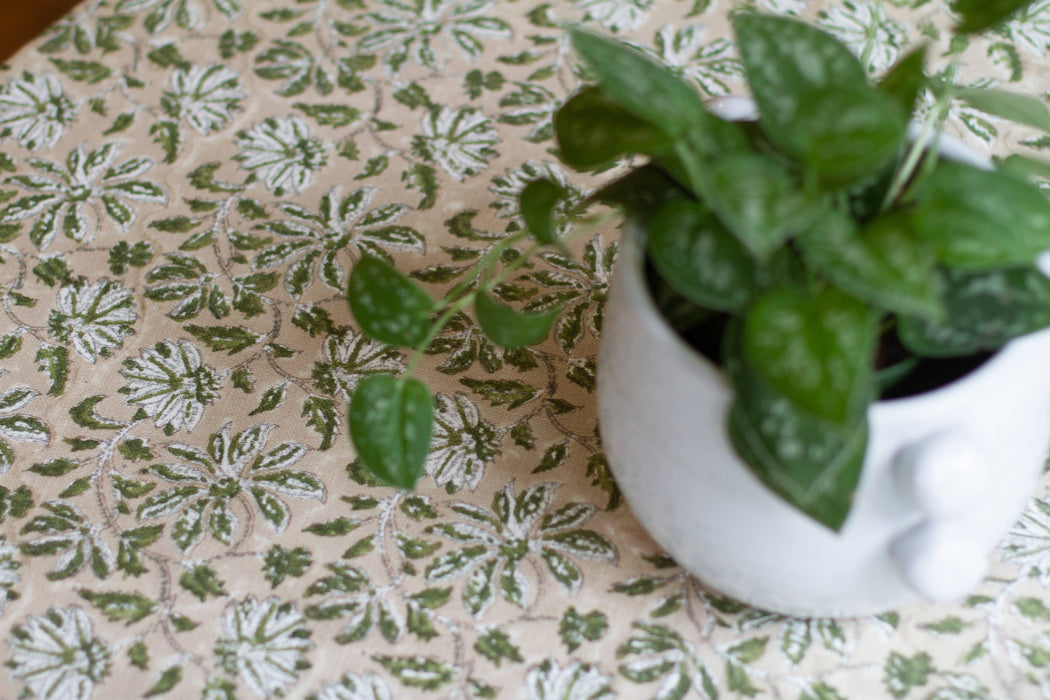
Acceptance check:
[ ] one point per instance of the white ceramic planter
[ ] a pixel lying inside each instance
(945, 474)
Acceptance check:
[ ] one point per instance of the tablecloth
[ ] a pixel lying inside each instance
(185, 185)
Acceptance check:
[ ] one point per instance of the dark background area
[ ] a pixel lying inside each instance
(22, 20)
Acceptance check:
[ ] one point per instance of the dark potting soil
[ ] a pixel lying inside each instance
(899, 373)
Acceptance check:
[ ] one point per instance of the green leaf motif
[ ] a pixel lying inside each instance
(574, 627)
(391, 422)
(502, 391)
(169, 678)
(116, 606)
(417, 671)
(902, 673)
(389, 306)
(230, 338)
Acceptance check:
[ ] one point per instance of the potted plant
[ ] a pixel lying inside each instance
(813, 388)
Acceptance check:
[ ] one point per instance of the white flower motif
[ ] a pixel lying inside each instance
(282, 153)
(94, 317)
(187, 14)
(171, 384)
(207, 96)
(783, 7)
(710, 64)
(617, 15)
(264, 643)
(58, 656)
(867, 29)
(1030, 29)
(354, 687)
(1028, 541)
(9, 565)
(460, 141)
(62, 195)
(462, 445)
(426, 30)
(348, 358)
(36, 109)
(577, 681)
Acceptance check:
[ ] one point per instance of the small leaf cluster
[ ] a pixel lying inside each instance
(823, 251)
(392, 417)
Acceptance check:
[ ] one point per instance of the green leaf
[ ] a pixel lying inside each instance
(574, 628)
(76, 488)
(129, 607)
(138, 655)
(89, 72)
(168, 680)
(495, 645)
(329, 115)
(121, 123)
(699, 257)
(843, 134)
(757, 200)
(786, 61)
(176, 224)
(9, 345)
(813, 464)
(539, 200)
(510, 328)
(417, 671)
(815, 350)
(333, 528)
(391, 421)
(978, 15)
(53, 360)
(389, 306)
(906, 79)
(592, 130)
(280, 563)
(271, 399)
(230, 338)
(904, 673)
(885, 264)
(322, 417)
(1026, 166)
(640, 85)
(202, 581)
(1023, 109)
(982, 219)
(502, 391)
(56, 467)
(985, 311)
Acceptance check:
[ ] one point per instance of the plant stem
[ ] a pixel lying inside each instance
(931, 128)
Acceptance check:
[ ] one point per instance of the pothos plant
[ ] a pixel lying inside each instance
(824, 253)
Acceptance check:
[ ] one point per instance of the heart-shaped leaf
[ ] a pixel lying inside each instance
(699, 258)
(885, 264)
(905, 80)
(510, 328)
(389, 306)
(815, 350)
(391, 421)
(786, 61)
(814, 465)
(639, 84)
(539, 200)
(757, 200)
(592, 130)
(985, 311)
(1023, 109)
(979, 15)
(982, 219)
(844, 134)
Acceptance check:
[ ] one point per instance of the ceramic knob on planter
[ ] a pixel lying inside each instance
(943, 474)
(941, 561)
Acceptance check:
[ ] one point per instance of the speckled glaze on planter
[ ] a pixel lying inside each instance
(945, 474)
